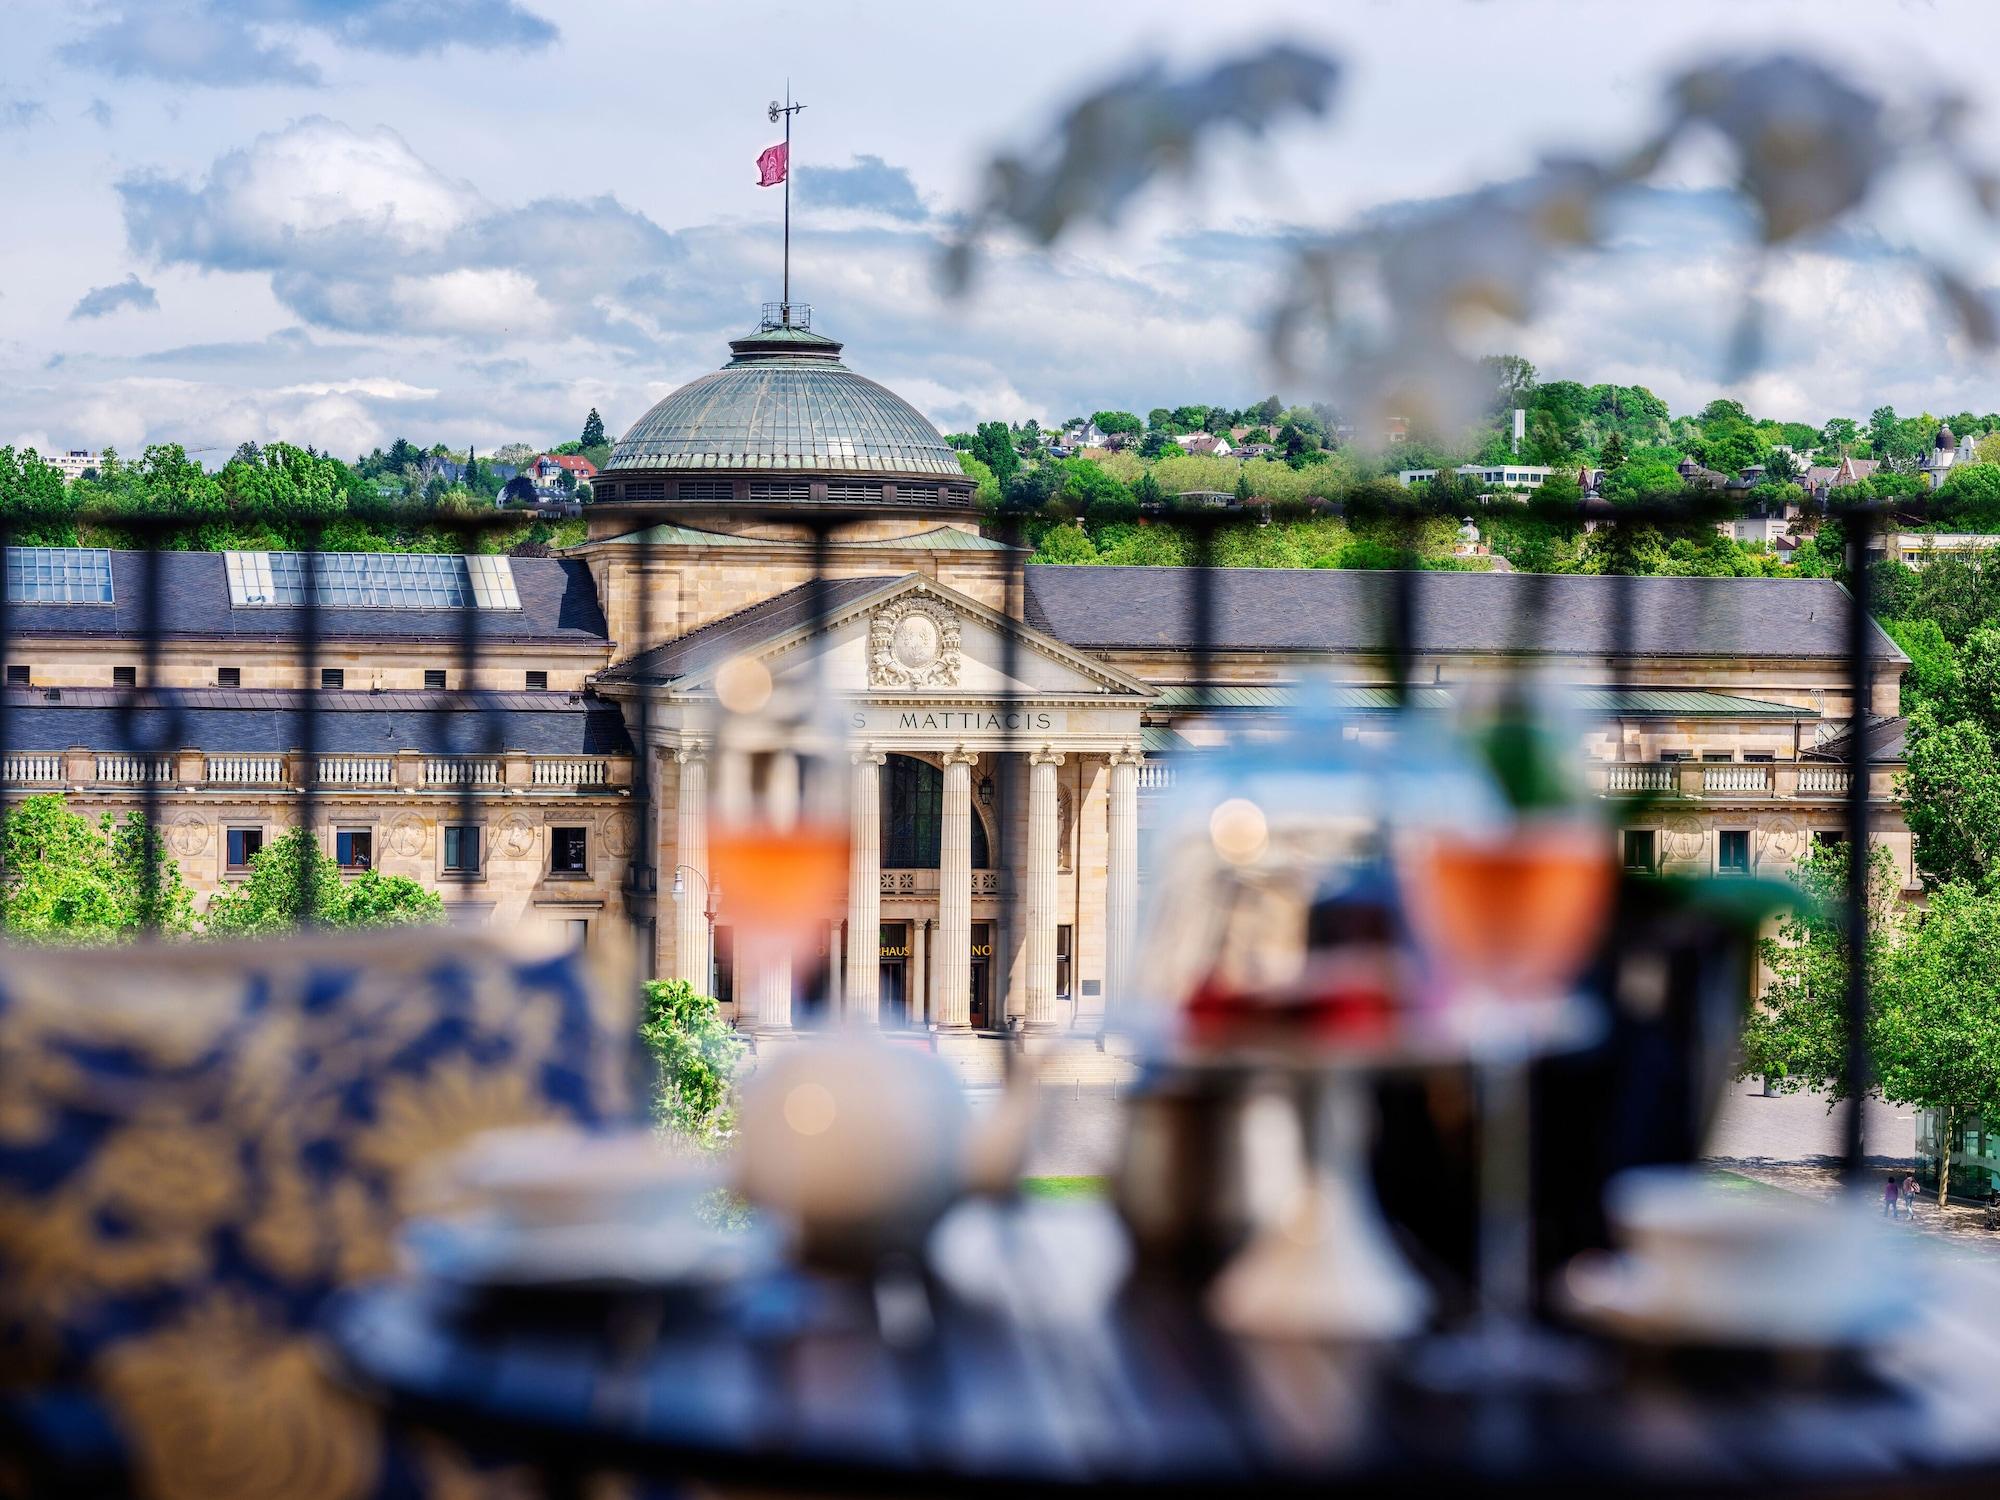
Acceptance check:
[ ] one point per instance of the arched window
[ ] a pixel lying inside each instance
(913, 816)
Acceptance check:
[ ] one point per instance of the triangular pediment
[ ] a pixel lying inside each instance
(913, 640)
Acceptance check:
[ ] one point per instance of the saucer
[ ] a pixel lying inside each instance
(491, 1253)
(1629, 1299)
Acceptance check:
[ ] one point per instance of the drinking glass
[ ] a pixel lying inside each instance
(1508, 902)
(778, 826)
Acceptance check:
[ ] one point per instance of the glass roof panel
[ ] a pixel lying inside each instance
(58, 575)
(371, 580)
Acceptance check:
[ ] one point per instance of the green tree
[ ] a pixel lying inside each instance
(69, 879)
(593, 431)
(1969, 499)
(993, 445)
(1796, 1036)
(1147, 491)
(35, 502)
(1611, 458)
(1111, 423)
(695, 1057)
(1936, 1031)
(1066, 542)
(293, 880)
(1513, 379)
(1950, 791)
(1933, 679)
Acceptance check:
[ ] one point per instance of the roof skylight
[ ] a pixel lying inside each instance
(371, 580)
(58, 575)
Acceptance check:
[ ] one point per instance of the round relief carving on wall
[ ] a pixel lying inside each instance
(1684, 838)
(1782, 839)
(187, 835)
(913, 642)
(517, 836)
(618, 835)
(407, 836)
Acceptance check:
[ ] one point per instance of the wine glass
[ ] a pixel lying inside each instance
(1508, 901)
(779, 830)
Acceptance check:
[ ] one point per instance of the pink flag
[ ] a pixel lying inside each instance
(771, 164)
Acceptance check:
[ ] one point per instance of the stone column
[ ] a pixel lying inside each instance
(913, 994)
(1121, 878)
(954, 930)
(1042, 1010)
(863, 997)
(831, 998)
(769, 985)
(691, 852)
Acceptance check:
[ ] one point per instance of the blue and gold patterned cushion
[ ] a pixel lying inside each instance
(200, 1142)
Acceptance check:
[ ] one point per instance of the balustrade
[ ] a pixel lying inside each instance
(28, 768)
(459, 771)
(243, 770)
(357, 770)
(135, 768)
(572, 771)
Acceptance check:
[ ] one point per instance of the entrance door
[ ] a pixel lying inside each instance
(894, 1012)
(982, 975)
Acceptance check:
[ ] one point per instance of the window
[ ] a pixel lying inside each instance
(461, 850)
(433, 677)
(241, 845)
(124, 676)
(569, 851)
(1757, 760)
(1673, 757)
(332, 677)
(538, 682)
(229, 677)
(354, 848)
(16, 676)
(1716, 757)
(1063, 991)
(913, 817)
(1639, 852)
(578, 929)
(722, 945)
(699, 489)
(1829, 838)
(1733, 851)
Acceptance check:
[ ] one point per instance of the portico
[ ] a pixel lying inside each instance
(993, 809)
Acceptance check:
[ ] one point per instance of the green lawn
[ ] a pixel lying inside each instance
(1063, 1187)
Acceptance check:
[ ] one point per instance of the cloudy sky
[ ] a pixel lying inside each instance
(338, 221)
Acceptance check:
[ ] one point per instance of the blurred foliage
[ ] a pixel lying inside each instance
(696, 1056)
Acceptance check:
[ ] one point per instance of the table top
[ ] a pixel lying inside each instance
(1025, 1359)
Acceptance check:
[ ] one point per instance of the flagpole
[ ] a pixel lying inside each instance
(788, 204)
(788, 109)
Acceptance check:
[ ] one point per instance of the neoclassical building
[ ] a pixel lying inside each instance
(1009, 724)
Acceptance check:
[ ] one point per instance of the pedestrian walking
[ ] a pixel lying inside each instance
(1909, 1195)
(1892, 1193)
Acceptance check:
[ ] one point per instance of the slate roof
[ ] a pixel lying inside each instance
(251, 721)
(714, 643)
(558, 605)
(1672, 703)
(1334, 610)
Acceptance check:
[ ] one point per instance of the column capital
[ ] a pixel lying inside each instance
(1126, 755)
(959, 756)
(1048, 755)
(689, 750)
(869, 756)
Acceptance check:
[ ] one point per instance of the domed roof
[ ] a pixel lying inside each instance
(785, 402)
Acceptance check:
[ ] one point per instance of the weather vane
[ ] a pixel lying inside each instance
(774, 166)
